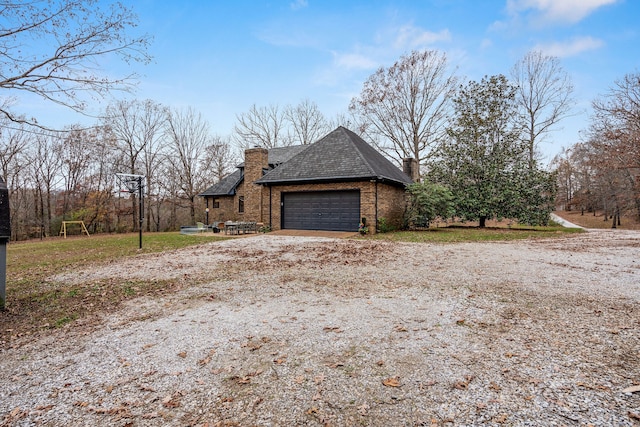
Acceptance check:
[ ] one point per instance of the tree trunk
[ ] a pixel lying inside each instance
(483, 221)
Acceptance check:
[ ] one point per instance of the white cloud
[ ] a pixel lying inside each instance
(413, 37)
(570, 48)
(486, 43)
(298, 4)
(570, 11)
(354, 61)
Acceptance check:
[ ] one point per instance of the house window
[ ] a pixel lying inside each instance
(216, 203)
(241, 204)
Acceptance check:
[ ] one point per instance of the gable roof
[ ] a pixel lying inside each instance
(226, 186)
(339, 156)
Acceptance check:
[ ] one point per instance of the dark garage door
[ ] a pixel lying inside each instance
(321, 210)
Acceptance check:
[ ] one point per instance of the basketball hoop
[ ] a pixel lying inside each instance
(131, 184)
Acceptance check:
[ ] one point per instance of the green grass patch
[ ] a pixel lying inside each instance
(35, 303)
(64, 320)
(457, 234)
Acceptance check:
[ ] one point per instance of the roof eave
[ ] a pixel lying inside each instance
(323, 180)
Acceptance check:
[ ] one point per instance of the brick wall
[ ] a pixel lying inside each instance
(255, 160)
(390, 201)
(392, 205)
(228, 209)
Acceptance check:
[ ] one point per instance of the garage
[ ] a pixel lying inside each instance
(321, 210)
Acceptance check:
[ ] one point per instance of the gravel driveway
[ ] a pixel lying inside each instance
(286, 331)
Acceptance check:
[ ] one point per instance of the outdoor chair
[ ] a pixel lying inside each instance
(230, 227)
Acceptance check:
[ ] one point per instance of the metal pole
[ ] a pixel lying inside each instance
(5, 235)
(3, 272)
(141, 205)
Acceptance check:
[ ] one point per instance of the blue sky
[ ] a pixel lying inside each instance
(220, 57)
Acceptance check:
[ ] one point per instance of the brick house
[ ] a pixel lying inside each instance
(328, 185)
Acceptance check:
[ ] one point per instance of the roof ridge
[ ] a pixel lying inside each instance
(351, 136)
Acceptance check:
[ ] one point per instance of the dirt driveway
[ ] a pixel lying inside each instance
(285, 331)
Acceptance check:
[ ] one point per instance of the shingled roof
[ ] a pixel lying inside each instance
(227, 185)
(279, 155)
(340, 156)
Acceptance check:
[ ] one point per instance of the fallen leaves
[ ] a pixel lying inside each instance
(280, 360)
(254, 345)
(335, 365)
(500, 419)
(172, 400)
(632, 389)
(246, 379)
(463, 384)
(495, 387)
(391, 382)
(598, 387)
(207, 359)
(150, 415)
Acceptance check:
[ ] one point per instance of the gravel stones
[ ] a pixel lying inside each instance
(317, 331)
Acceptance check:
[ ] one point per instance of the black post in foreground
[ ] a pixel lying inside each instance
(141, 206)
(134, 183)
(5, 235)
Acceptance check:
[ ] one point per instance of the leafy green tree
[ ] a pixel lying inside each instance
(427, 202)
(485, 162)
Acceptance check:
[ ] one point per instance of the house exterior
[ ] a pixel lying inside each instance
(328, 185)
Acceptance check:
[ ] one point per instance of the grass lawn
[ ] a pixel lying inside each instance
(472, 233)
(34, 304)
(589, 220)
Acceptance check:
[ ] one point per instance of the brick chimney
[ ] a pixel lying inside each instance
(255, 161)
(410, 167)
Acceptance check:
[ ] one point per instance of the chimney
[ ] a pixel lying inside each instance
(410, 168)
(255, 161)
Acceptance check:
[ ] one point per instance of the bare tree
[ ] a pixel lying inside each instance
(615, 129)
(76, 161)
(45, 169)
(306, 121)
(606, 164)
(188, 134)
(544, 96)
(14, 169)
(263, 127)
(136, 128)
(73, 38)
(99, 183)
(406, 106)
(219, 159)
